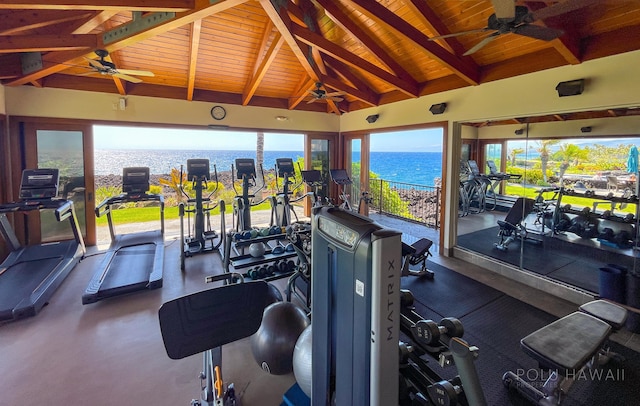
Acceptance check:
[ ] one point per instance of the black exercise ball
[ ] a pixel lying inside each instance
(272, 345)
(274, 294)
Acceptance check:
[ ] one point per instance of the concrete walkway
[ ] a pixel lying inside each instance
(261, 218)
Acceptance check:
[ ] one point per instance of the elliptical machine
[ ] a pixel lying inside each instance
(203, 236)
(281, 208)
(245, 170)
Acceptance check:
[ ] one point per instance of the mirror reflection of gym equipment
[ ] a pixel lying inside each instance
(201, 238)
(134, 261)
(32, 273)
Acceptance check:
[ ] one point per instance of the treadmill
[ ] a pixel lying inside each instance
(134, 261)
(30, 274)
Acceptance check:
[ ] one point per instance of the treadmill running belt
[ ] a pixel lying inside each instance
(20, 280)
(130, 267)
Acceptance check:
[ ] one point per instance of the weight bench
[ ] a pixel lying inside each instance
(566, 348)
(511, 227)
(203, 322)
(416, 254)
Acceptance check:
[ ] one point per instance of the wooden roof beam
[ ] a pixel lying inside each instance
(366, 96)
(365, 39)
(194, 46)
(434, 24)
(55, 62)
(283, 23)
(301, 92)
(149, 5)
(464, 67)
(35, 43)
(339, 53)
(20, 21)
(262, 69)
(95, 20)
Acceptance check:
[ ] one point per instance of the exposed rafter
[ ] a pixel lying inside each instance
(194, 46)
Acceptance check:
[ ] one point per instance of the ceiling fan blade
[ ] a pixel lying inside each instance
(95, 64)
(459, 33)
(335, 98)
(538, 32)
(482, 43)
(505, 10)
(311, 101)
(560, 8)
(135, 72)
(127, 78)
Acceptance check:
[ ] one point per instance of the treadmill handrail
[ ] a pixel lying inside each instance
(105, 207)
(30, 205)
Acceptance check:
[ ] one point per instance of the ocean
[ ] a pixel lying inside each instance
(406, 167)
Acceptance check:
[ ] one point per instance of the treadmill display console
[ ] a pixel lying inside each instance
(135, 180)
(245, 167)
(198, 168)
(285, 167)
(39, 184)
(338, 232)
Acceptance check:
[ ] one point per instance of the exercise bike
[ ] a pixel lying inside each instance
(281, 208)
(341, 178)
(313, 179)
(203, 236)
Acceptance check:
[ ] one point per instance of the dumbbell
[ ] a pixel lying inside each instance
(291, 265)
(406, 298)
(427, 332)
(271, 269)
(254, 273)
(282, 266)
(628, 218)
(444, 393)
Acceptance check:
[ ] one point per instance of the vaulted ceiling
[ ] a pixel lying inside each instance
(297, 54)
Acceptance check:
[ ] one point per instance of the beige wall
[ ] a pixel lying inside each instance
(610, 82)
(62, 103)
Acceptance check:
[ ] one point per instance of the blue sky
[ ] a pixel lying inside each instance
(111, 137)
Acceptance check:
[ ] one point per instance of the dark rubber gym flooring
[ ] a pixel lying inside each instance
(495, 323)
(111, 352)
(572, 263)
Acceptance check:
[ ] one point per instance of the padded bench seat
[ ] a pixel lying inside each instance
(609, 312)
(567, 344)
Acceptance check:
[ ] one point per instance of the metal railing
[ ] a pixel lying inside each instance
(418, 203)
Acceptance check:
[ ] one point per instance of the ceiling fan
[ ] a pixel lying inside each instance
(319, 94)
(105, 67)
(510, 18)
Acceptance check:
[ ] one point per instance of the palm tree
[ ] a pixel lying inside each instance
(543, 149)
(570, 153)
(260, 149)
(513, 153)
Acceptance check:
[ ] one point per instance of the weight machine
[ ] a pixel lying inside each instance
(202, 239)
(358, 313)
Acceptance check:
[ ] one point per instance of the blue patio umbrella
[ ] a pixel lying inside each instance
(632, 167)
(632, 161)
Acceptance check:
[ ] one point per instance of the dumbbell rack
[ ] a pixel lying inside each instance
(246, 261)
(601, 220)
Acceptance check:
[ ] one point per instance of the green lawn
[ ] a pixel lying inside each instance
(143, 214)
(517, 190)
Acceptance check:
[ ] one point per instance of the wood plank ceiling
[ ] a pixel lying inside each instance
(273, 52)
